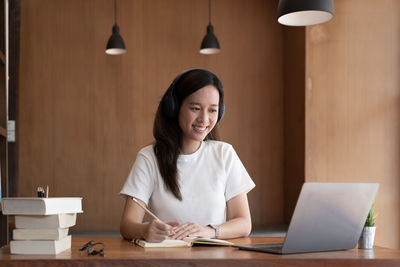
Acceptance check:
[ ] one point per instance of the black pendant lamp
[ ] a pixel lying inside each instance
(210, 44)
(305, 12)
(115, 45)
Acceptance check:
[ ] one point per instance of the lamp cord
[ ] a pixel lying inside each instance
(115, 11)
(209, 12)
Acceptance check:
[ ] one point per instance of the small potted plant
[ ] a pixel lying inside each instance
(368, 234)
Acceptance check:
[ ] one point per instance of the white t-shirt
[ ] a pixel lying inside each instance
(208, 178)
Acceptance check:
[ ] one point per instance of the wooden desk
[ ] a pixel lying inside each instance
(123, 253)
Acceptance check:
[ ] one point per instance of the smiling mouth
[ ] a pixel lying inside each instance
(200, 129)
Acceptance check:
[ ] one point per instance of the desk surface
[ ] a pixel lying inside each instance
(123, 253)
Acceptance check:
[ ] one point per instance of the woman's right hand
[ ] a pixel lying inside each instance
(158, 231)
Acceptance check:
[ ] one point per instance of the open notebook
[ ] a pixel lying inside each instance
(186, 242)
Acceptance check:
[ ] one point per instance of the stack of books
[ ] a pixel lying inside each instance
(41, 224)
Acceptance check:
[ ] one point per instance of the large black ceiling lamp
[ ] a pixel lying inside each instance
(305, 12)
(210, 44)
(115, 45)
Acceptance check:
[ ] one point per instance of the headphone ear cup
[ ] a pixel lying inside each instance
(221, 112)
(169, 104)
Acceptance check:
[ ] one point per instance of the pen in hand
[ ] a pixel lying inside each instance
(149, 212)
(146, 209)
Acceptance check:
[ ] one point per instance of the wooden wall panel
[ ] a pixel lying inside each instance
(294, 116)
(353, 104)
(84, 114)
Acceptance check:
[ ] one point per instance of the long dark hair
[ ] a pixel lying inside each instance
(166, 130)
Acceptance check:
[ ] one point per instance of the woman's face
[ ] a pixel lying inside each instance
(198, 114)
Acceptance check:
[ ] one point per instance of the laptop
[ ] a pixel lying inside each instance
(328, 216)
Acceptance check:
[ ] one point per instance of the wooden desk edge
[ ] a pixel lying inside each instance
(123, 253)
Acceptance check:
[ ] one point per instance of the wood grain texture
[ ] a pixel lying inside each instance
(3, 118)
(4, 233)
(3, 131)
(294, 116)
(124, 253)
(84, 115)
(353, 104)
(3, 102)
(13, 84)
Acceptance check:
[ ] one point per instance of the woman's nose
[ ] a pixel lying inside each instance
(202, 116)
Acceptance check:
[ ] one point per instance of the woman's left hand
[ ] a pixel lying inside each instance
(193, 229)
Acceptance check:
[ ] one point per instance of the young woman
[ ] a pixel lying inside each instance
(196, 186)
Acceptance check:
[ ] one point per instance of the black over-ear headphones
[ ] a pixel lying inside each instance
(170, 103)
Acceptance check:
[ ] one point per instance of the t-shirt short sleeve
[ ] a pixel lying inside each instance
(238, 180)
(140, 182)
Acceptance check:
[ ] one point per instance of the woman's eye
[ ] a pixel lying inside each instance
(213, 110)
(195, 108)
